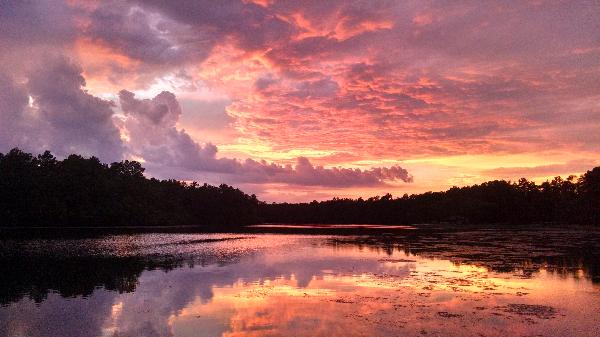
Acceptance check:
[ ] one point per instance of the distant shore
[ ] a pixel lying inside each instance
(272, 228)
(44, 192)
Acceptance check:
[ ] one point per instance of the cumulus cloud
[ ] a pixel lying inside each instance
(153, 135)
(62, 116)
(306, 174)
(16, 117)
(77, 121)
(151, 126)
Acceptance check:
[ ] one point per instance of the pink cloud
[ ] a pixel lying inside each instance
(352, 80)
(153, 136)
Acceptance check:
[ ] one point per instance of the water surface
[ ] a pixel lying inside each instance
(432, 283)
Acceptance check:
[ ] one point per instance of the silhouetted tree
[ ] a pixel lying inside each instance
(589, 192)
(78, 191)
(566, 201)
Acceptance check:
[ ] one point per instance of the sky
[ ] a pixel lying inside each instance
(303, 100)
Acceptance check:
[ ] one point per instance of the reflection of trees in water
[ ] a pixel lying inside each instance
(36, 276)
(75, 295)
(74, 266)
(568, 253)
(159, 295)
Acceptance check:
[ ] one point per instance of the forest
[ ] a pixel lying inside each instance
(77, 191)
(574, 200)
(41, 190)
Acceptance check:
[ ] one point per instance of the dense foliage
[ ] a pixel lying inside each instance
(574, 200)
(78, 191)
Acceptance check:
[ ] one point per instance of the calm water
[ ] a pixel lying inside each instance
(407, 283)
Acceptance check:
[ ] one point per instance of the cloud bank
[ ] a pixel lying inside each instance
(153, 135)
(336, 83)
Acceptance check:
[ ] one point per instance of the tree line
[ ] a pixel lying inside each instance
(76, 191)
(574, 200)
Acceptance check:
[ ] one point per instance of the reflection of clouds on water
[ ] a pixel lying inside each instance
(161, 295)
(294, 285)
(57, 316)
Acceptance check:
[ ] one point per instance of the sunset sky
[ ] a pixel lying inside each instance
(303, 100)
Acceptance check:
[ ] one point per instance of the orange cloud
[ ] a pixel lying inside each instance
(101, 64)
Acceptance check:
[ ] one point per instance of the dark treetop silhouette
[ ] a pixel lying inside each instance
(78, 191)
(574, 200)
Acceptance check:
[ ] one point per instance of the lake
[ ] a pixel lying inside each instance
(405, 281)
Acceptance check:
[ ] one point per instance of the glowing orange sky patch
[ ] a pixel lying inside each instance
(99, 61)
